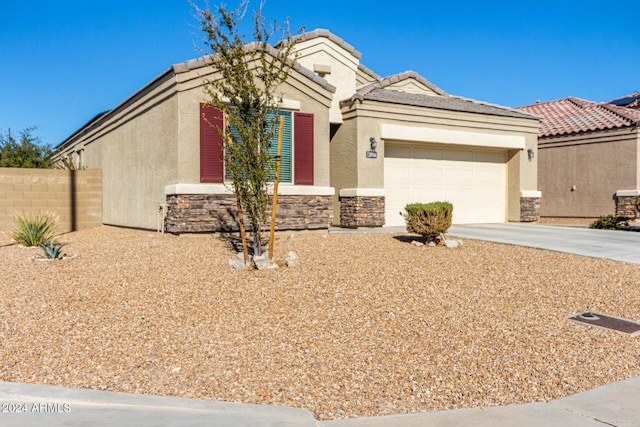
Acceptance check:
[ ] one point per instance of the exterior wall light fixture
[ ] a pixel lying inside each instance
(530, 154)
(374, 143)
(371, 154)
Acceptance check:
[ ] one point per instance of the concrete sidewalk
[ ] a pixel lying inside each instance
(616, 404)
(29, 405)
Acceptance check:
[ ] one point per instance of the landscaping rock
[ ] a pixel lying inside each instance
(417, 243)
(452, 243)
(263, 262)
(364, 326)
(237, 261)
(292, 259)
(432, 244)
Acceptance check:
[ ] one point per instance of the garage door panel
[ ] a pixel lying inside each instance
(424, 175)
(459, 156)
(459, 177)
(474, 180)
(428, 154)
(490, 157)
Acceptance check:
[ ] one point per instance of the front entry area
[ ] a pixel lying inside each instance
(474, 180)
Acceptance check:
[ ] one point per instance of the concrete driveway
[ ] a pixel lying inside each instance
(621, 246)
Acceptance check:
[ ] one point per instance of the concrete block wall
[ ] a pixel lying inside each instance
(75, 196)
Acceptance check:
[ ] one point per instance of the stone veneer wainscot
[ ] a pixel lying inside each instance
(530, 206)
(208, 208)
(627, 203)
(361, 208)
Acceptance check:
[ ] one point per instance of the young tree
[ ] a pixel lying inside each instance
(28, 152)
(245, 90)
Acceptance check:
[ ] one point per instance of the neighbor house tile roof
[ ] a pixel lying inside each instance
(378, 92)
(631, 101)
(574, 115)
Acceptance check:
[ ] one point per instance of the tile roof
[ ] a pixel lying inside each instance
(574, 115)
(631, 101)
(369, 72)
(321, 32)
(203, 61)
(395, 78)
(377, 92)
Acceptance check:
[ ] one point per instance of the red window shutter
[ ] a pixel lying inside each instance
(211, 145)
(303, 149)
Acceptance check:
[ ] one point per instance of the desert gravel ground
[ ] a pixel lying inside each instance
(365, 325)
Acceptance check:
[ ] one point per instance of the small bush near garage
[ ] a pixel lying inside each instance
(610, 222)
(430, 220)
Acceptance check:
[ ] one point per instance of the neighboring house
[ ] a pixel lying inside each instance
(629, 101)
(358, 148)
(588, 157)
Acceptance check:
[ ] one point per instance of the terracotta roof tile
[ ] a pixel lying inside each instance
(574, 115)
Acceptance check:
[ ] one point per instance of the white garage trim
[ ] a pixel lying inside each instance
(444, 136)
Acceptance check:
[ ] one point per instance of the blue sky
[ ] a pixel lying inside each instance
(63, 62)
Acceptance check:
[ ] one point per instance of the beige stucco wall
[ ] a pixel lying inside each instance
(74, 196)
(151, 141)
(365, 120)
(136, 146)
(298, 94)
(343, 65)
(597, 163)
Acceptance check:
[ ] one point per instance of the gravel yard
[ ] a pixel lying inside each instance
(365, 325)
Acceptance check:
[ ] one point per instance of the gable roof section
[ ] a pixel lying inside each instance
(378, 92)
(630, 101)
(204, 61)
(574, 115)
(321, 32)
(396, 78)
(370, 74)
(170, 73)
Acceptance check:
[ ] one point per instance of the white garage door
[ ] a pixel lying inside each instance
(474, 180)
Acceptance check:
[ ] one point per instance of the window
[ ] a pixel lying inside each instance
(297, 147)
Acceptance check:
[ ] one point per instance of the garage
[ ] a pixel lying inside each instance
(473, 179)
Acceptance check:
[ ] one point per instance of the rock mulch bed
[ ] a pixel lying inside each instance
(363, 325)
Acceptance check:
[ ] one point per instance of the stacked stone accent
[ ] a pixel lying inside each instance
(627, 206)
(209, 213)
(361, 211)
(529, 209)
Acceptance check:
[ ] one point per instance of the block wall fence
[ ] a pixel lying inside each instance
(76, 196)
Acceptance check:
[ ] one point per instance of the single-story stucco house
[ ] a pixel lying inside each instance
(358, 148)
(589, 155)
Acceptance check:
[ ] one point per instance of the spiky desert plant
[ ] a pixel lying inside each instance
(52, 250)
(32, 229)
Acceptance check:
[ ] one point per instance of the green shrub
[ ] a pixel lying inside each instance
(34, 229)
(610, 222)
(430, 220)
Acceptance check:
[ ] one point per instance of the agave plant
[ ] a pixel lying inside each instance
(52, 250)
(34, 229)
